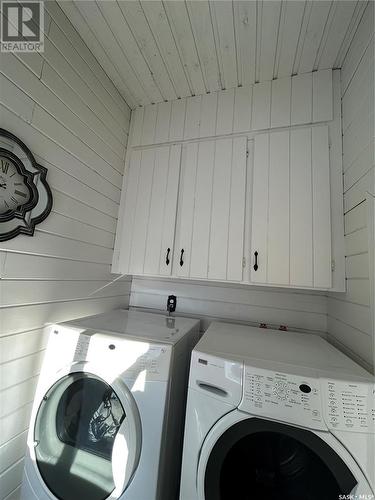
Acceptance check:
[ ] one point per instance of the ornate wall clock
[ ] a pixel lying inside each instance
(25, 197)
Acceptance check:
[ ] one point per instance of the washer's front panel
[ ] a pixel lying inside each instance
(349, 406)
(283, 397)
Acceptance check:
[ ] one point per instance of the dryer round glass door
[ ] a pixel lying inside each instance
(260, 459)
(83, 432)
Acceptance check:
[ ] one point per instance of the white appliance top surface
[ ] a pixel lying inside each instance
(296, 349)
(138, 324)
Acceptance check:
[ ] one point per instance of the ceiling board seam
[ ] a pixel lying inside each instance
(196, 48)
(178, 48)
(148, 63)
(132, 97)
(351, 31)
(215, 30)
(324, 37)
(142, 55)
(301, 42)
(235, 43)
(161, 55)
(259, 14)
(135, 71)
(279, 38)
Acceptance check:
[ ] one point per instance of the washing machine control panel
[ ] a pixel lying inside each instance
(349, 406)
(283, 396)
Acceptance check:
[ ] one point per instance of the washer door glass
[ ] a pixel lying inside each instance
(259, 459)
(75, 433)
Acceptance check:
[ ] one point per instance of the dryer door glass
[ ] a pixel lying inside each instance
(75, 431)
(259, 459)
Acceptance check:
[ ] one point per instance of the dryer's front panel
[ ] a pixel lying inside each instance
(75, 442)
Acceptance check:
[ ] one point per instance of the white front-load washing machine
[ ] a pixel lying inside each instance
(275, 415)
(108, 413)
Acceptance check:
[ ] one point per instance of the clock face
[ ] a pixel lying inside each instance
(13, 191)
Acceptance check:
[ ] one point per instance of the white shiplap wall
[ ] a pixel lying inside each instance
(298, 310)
(349, 315)
(297, 100)
(65, 108)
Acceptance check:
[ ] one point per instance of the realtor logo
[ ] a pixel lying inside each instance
(22, 26)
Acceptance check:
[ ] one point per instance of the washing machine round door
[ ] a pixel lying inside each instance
(87, 438)
(252, 458)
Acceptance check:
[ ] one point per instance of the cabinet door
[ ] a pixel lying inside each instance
(148, 222)
(212, 209)
(291, 228)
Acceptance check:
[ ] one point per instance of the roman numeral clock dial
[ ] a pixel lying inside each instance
(13, 191)
(25, 196)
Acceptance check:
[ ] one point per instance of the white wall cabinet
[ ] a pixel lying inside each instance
(290, 223)
(210, 228)
(149, 212)
(187, 209)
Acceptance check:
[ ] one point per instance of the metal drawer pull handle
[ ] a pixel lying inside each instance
(181, 258)
(167, 261)
(256, 261)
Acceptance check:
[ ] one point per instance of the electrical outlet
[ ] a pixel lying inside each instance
(171, 303)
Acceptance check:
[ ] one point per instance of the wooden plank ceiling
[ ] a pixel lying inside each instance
(158, 51)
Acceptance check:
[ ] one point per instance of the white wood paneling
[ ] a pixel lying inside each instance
(322, 96)
(278, 210)
(321, 207)
(141, 211)
(281, 96)
(177, 123)
(202, 29)
(291, 169)
(293, 100)
(301, 245)
(192, 117)
(210, 224)
(242, 109)
(225, 108)
(160, 237)
(268, 23)
(290, 28)
(237, 303)
(245, 19)
(156, 51)
(208, 115)
(236, 224)
(261, 106)
(67, 111)
(260, 201)
(349, 314)
(223, 22)
(202, 210)
(301, 106)
(218, 256)
(186, 210)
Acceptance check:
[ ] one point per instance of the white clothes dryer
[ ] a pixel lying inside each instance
(108, 413)
(275, 415)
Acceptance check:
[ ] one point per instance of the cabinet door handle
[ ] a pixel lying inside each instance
(256, 261)
(181, 258)
(167, 261)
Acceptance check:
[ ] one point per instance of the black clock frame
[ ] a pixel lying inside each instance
(20, 211)
(42, 171)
